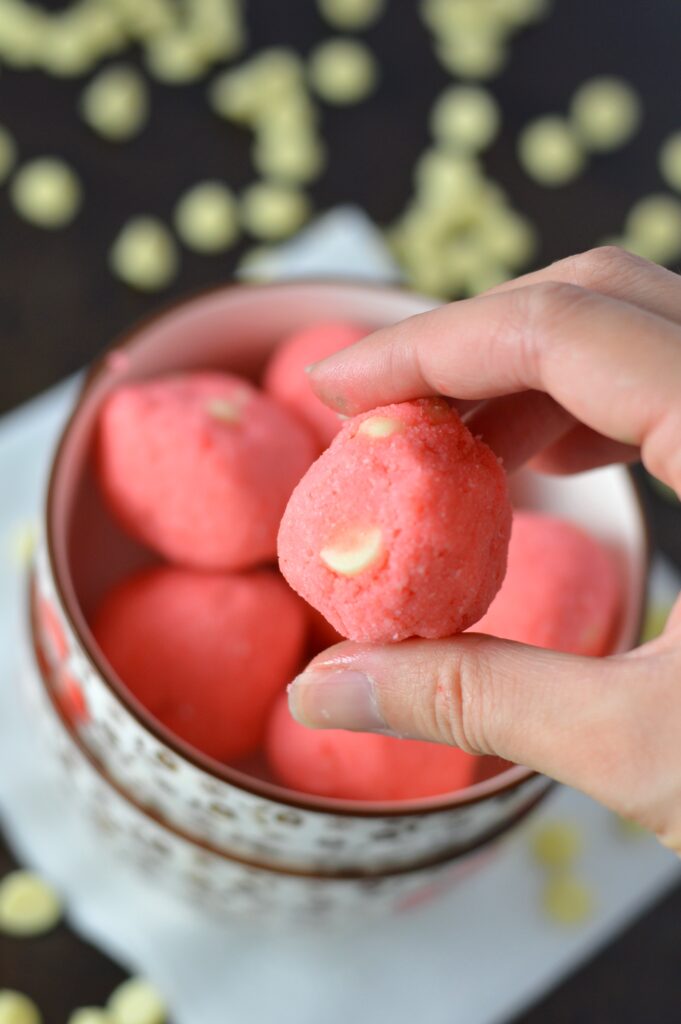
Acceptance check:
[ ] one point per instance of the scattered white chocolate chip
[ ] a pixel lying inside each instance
(90, 1015)
(557, 844)
(136, 1001)
(271, 210)
(144, 254)
(175, 57)
(445, 179)
(670, 160)
(465, 117)
(653, 225)
(250, 91)
(46, 192)
(16, 1008)
(381, 426)
(550, 152)
(224, 410)
(22, 542)
(206, 217)
(475, 54)
(28, 904)
(506, 236)
(354, 551)
(116, 103)
(8, 153)
(605, 112)
(567, 900)
(289, 158)
(342, 71)
(217, 27)
(351, 14)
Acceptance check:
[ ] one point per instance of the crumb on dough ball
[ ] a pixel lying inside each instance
(401, 527)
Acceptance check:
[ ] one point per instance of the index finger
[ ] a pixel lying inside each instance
(612, 365)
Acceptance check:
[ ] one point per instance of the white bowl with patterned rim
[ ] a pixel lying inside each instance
(229, 813)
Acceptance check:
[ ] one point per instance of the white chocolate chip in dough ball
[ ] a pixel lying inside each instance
(206, 217)
(465, 117)
(653, 227)
(342, 71)
(224, 410)
(605, 112)
(354, 551)
(669, 160)
(381, 426)
(550, 152)
(351, 14)
(28, 904)
(46, 192)
(144, 254)
(272, 211)
(136, 1001)
(17, 1008)
(8, 153)
(115, 104)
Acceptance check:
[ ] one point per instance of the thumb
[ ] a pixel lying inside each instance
(569, 717)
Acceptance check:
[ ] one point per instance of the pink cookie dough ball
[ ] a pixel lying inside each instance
(205, 654)
(199, 467)
(362, 766)
(285, 378)
(401, 527)
(561, 591)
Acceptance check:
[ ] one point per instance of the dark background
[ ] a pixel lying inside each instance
(59, 305)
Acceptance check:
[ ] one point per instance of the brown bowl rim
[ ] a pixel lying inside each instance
(510, 779)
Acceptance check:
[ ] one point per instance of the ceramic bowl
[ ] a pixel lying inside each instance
(228, 814)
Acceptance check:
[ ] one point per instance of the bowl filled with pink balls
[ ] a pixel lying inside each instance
(210, 526)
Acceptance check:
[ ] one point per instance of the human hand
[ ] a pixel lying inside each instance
(572, 367)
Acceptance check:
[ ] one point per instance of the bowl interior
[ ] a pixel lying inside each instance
(235, 329)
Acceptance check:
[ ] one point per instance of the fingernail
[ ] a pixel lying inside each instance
(345, 699)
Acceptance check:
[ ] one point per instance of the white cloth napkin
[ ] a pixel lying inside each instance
(477, 956)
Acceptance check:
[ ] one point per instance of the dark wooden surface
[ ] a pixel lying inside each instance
(59, 307)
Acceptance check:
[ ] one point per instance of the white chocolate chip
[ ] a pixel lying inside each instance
(224, 410)
(28, 904)
(669, 160)
(116, 103)
(465, 117)
(8, 153)
(550, 152)
(136, 1002)
(90, 1015)
(16, 1008)
(273, 211)
(46, 192)
(351, 14)
(206, 217)
(342, 71)
(381, 426)
(144, 254)
(354, 551)
(605, 112)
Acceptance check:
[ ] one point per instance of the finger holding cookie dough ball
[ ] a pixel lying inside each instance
(401, 528)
